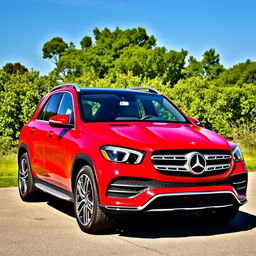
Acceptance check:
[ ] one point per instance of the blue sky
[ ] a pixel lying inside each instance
(228, 26)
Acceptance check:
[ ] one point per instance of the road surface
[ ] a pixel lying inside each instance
(49, 228)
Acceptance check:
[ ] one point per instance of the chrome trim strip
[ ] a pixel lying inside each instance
(240, 182)
(140, 208)
(127, 185)
(189, 209)
(123, 191)
(53, 192)
(240, 188)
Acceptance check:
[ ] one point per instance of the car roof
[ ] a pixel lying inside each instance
(97, 90)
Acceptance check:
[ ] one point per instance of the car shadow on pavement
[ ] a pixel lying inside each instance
(60, 205)
(175, 224)
(183, 225)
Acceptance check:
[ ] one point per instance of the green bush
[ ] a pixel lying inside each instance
(20, 95)
(217, 108)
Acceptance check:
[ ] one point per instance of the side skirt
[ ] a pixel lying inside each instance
(53, 190)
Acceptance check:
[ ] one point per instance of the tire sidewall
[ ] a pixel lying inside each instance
(30, 182)
(89, 172)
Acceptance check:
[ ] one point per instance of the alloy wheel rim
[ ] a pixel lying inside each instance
(23, 176)
(84, 199)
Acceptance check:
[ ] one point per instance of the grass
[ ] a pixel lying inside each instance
(8, 170)
(250, 160)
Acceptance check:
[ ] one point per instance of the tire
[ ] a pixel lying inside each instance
(221, 215)
(90, 218)
(27, 190)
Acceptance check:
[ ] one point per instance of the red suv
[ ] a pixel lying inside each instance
(127, 150)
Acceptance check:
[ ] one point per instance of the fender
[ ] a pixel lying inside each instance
(22, 146)
(86, 158)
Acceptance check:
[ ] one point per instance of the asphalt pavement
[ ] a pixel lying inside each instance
(49, 228)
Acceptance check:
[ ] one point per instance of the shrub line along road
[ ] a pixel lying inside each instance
(49, 228)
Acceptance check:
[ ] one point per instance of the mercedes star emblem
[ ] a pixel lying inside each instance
(196, 163)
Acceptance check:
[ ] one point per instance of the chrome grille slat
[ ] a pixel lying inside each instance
(217, 167)
(169, 157)
(171, 168)
(217, 157)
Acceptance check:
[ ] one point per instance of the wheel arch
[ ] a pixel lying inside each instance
(23, 148)
(79, 161)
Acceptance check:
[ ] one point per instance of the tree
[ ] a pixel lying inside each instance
(14, 68)
(71, 45)
(210, 60)
(86, 42)
(194, 68)
(151, 63)
(239, 74)
(54, 48)
(100, 57)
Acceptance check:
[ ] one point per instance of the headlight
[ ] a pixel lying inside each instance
(238, 156)
(122, 155)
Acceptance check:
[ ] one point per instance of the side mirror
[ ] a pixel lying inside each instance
(60, 121)
(194, 120)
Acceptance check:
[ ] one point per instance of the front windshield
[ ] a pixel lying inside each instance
(113, 106)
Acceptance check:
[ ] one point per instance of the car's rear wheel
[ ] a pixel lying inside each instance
(28, 191)
(90, 217)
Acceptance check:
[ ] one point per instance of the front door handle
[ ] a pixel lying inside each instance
(32, 129)
(50, 134)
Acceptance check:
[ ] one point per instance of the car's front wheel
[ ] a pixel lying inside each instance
(90, 217)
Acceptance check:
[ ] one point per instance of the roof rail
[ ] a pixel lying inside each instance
(66, 85)
(149, 89)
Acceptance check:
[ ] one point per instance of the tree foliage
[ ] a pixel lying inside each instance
(19, 99)
(220, 98)
(54, 48)
(86, 42)
(14, 68)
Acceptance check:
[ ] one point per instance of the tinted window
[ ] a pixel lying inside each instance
(66, 107)
(128, 106)
(51, 107)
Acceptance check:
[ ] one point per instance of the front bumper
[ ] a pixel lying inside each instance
(183, 201)
(167, 193)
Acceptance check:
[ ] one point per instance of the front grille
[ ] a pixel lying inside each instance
(177, 162)
(127, 187)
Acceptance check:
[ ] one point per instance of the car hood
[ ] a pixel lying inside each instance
(151, 135)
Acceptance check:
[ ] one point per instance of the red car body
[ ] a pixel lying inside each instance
(57, 153)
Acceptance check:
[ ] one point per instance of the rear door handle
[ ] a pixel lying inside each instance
(32, 129)
(50, 133)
